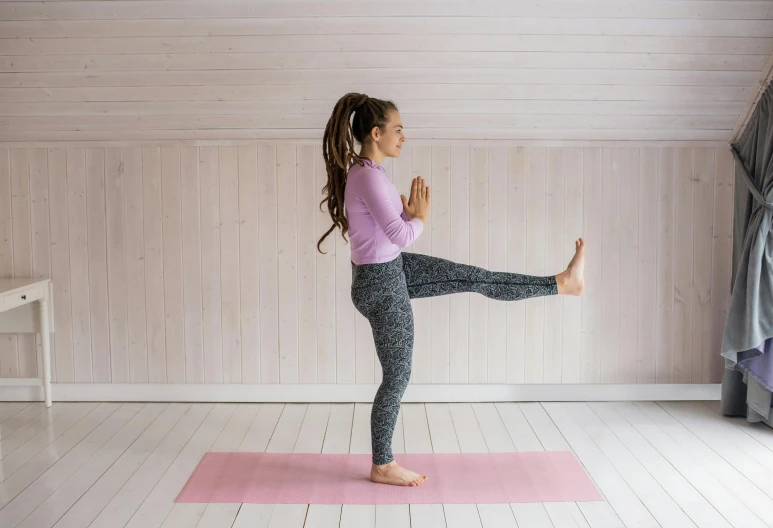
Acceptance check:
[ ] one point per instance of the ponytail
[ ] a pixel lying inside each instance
(338, 149)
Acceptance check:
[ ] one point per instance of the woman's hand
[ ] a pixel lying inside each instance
(418, 204)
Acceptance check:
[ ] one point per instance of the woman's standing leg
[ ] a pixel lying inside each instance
(388, 309)
(393, 335)
(387, 306)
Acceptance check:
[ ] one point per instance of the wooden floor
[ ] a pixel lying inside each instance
(122, 464)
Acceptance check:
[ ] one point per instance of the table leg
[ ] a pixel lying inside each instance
(45, 335)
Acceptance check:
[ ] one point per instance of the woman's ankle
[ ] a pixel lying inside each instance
(561, 280)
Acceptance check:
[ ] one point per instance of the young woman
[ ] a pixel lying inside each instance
(383, 278)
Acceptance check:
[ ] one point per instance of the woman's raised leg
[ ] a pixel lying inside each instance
(428, 276)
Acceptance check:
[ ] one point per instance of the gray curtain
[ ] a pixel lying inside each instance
(747, 343)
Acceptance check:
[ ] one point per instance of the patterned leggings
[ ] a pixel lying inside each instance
(381, 292)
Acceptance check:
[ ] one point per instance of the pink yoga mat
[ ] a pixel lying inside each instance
(453, 478)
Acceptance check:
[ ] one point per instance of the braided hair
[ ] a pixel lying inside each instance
(338, 148)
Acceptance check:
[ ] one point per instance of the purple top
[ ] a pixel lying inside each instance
(378, 226)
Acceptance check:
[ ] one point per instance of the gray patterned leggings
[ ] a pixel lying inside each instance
(381, 292)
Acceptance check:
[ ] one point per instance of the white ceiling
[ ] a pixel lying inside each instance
(560, 71)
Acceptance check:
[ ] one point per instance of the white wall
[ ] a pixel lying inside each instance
(199, 264)
(160, 159)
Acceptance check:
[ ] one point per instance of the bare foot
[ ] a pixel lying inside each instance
(393, 473)
(572, 281)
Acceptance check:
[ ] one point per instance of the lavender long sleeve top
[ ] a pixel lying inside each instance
(378, 226)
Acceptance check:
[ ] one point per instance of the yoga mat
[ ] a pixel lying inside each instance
(453, 478)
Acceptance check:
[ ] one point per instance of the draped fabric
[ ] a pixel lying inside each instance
(747, 343)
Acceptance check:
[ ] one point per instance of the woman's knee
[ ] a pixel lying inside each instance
(396, 380)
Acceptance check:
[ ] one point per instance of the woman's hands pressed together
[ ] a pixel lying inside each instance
(417, 206)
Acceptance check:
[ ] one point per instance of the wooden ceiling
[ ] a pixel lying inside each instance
(570, 71)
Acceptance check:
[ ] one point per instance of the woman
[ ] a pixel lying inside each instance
(383, 278)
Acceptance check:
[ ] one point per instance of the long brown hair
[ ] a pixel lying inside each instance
(338, 149)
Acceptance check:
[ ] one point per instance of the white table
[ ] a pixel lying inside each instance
(19, 314)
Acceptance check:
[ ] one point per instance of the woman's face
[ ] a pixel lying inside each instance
(391, 140)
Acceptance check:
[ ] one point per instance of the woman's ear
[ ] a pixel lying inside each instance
(375, 133)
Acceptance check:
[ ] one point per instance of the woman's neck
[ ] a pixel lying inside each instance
(373, 155)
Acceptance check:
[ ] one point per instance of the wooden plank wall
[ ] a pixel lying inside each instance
(191, 264)
(122, 72)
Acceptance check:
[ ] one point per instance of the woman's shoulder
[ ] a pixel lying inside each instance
(360, 171)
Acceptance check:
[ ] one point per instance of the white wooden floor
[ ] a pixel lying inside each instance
(114, 465)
